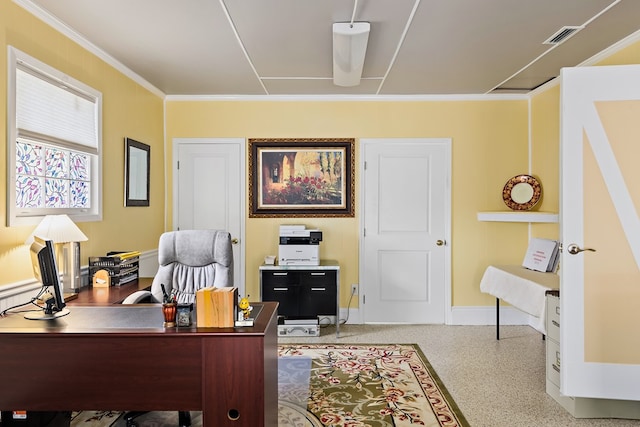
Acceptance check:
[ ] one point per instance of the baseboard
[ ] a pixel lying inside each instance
(463, 316)
(350, 316)
(487, 316)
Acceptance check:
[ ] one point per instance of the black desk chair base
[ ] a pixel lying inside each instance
(184, 418)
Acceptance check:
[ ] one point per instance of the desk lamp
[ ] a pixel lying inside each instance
(66, 236)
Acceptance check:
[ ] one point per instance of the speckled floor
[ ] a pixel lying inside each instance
(495, 383)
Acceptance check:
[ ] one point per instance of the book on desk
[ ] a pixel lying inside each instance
(542, 255)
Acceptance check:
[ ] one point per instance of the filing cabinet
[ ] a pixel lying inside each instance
(579, 407)
(302, 291)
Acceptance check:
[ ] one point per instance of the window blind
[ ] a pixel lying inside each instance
(50, 108)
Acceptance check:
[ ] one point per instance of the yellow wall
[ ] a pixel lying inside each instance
(545, 154)
(628, 55)
(129, 110)
(489, 145)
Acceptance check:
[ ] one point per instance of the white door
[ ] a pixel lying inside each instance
(208, 191)
(404, 270)
(600, 198)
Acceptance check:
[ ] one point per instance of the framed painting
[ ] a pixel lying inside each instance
(301, 177)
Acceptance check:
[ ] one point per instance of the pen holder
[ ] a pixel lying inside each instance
(169, 310)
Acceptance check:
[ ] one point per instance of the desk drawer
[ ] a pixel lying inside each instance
(318, 278)
(553, 317)
(553, 362)
(280, 277)
(286, 295)
(317, 300)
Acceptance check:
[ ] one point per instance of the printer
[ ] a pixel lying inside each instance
(299, 246)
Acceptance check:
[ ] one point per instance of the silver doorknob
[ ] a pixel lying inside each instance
(574, 249)
(235, 240)
(440, 242)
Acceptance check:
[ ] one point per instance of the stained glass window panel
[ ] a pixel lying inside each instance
(79, 166)
(56, 193)
(57, 163)
(51, 177)
(29, 159)
(29, 191)
(79, 194)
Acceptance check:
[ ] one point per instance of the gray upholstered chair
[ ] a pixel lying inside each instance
(188, 260)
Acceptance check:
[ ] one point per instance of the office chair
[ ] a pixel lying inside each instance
(188, 260)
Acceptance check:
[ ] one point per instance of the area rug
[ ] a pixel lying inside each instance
(342, 386)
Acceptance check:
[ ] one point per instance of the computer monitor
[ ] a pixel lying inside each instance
(45, 269)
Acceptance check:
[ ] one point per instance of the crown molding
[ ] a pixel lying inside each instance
(351, 98)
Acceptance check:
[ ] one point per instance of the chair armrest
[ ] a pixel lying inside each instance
(138, 297)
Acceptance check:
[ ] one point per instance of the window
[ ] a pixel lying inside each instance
(54, 144)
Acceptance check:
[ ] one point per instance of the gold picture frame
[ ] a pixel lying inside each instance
(308, 177)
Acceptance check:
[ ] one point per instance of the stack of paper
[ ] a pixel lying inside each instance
(542, 255)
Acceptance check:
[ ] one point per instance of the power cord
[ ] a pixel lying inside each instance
(343, 321)
(31, 301)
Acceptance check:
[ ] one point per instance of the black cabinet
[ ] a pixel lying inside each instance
(302, 291)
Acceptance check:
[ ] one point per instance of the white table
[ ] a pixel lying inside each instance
(522, 288)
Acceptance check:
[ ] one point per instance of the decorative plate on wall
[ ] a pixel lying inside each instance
(522, 192)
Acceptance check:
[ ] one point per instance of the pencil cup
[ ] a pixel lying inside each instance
(169, 311)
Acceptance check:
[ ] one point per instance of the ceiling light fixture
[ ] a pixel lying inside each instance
(349, 48)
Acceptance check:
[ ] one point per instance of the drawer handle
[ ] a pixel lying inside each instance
(557, 369)
(280, 289)
(318, 289)
(555, 323)
(318, 274)
(280, 274)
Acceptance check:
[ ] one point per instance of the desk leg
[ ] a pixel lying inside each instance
(498, 319)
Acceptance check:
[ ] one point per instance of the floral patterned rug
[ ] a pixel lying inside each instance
(361, 385)
(340, 386)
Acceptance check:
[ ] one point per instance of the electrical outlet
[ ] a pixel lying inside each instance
(354, 289)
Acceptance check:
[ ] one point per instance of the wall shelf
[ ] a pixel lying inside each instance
(518, 216)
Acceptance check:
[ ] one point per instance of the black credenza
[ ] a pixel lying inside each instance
(303, 291)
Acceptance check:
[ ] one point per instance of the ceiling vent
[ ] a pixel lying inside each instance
(562, 35)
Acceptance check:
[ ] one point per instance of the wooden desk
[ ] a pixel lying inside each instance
(119, 357)
(111, 295)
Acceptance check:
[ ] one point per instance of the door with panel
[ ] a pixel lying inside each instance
(208, 189)
(600, 229)
(404, 272)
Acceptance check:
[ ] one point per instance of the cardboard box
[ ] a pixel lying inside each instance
(216, 307)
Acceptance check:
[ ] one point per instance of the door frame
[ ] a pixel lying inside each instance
(363, 143)
(241, 143)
